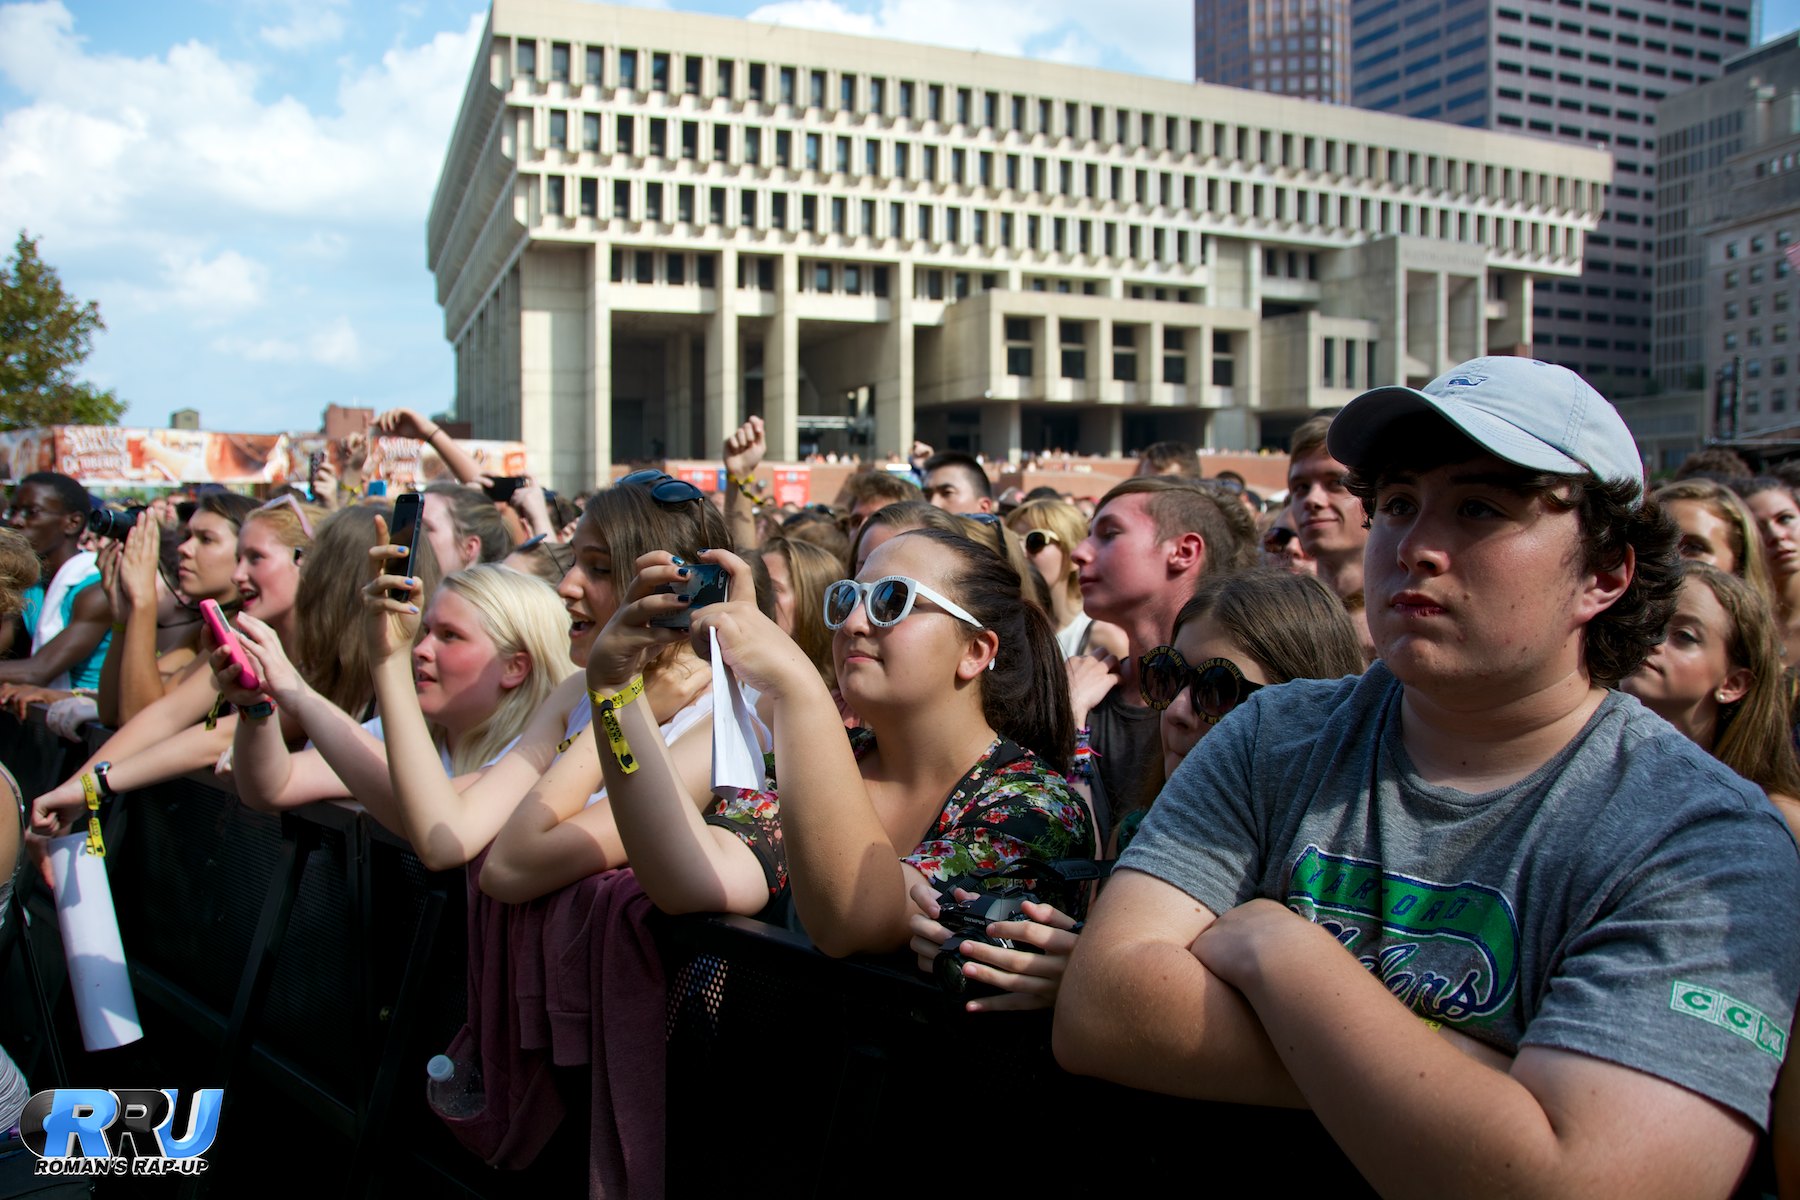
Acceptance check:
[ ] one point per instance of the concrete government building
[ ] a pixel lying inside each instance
(651, 224)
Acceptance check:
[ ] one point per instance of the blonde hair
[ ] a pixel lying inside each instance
(287, 522)
(811, 569)
(520, 614)
(1754, 736)
(1746, 540)
(1071, 529)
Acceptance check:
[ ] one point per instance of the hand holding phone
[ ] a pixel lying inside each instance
(227, 638)
(408, 509)
(503, 486)
(707, 583)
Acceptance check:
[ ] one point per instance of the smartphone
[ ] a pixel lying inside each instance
(405, 532)
(313, 462)
(706, 583)
(501, 490)
(226, 636)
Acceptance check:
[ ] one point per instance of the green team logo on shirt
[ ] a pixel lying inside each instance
(1733, 1016)
(1449, 951)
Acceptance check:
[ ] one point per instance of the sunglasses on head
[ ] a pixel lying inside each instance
(289, 502)
(887, 601)
(664, 488)
(1037, 539)
(1219, 686)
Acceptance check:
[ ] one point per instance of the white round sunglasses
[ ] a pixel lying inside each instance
(888, 601)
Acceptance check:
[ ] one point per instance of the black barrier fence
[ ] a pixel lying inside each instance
(309, 965)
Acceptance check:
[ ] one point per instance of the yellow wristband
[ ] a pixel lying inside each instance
(90, 789)
(605, 710)
(1432, 1025)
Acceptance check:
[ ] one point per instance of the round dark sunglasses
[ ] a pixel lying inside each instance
(1037, 539)
(664, 487)
(1219, 686)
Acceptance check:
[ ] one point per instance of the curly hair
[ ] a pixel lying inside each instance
(1615, 519)
(19, 570)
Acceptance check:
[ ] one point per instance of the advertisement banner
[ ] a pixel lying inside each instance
(110, 456)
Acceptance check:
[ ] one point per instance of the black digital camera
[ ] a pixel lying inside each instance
(111, 523)
(968, 921)
(1056, 883)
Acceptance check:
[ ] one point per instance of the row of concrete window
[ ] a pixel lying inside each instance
(1095, 123)
(1003, 229)
(1070, 351)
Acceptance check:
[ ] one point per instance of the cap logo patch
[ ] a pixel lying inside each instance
(1467, 381)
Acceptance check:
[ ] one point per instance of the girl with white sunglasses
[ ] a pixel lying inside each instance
(957, 772)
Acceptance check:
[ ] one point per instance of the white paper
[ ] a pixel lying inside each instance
(737, 753)
(98, 977)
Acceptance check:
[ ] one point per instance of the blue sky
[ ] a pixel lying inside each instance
(243, 185)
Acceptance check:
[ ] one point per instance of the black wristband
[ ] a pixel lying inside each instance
(100, 770)
(260, 711)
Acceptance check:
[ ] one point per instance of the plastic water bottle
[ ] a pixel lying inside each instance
(450, 1094)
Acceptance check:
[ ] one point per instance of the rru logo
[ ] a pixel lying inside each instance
(69, 1125)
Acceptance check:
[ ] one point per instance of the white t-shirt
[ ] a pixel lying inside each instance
(672, 729)
(373, 725)
(1070, 635)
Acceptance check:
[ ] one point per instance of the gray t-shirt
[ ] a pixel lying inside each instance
(1631, 899)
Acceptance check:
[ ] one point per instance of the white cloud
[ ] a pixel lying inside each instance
(1154, 36)
(333, 345)
(336, 345)
(111, 148)
(309, 25)
(227, 282)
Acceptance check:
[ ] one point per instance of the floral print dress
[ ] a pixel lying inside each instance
(1009, 806)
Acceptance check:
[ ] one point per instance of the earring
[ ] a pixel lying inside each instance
(993, 662)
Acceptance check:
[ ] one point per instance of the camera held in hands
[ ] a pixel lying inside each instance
(968, 921)
(111, 523)
(706, 583)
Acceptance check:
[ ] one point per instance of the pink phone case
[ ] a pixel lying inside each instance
(226, 636)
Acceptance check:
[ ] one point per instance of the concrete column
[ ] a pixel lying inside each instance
(781, 366)
(1001, 438)
(1100, 360)
(1102, 430)
(678, 396)
(598, 457)
(724, 389)
(1046, 359)
(1440, 294)
(894, 374)
(1232, 429)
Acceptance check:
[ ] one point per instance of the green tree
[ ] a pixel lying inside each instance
(45, 333)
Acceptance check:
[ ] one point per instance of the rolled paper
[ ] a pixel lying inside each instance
(98, 977)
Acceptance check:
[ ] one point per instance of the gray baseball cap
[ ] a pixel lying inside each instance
(1531, 413)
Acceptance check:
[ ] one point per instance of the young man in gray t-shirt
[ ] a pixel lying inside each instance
(1496, 924)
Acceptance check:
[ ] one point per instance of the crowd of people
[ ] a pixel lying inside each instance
(1444, 796)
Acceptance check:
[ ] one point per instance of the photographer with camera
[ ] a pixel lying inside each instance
(66, 617)
(957, 771)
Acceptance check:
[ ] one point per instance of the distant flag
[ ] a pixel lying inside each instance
(1793, 255)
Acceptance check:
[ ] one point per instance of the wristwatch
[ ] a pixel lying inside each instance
(257, 712)
(100, 770)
